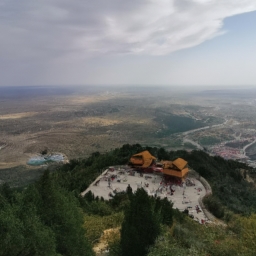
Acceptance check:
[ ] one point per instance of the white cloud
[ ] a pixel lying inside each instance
(57, 28)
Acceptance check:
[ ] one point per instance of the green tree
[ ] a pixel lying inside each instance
(21, 229)
(59, 210)
(11, 236)
(162, 154)
(39, 238)
(166, 212)
(7, 192)
(214, 206)
(166, 245)
(140, 227)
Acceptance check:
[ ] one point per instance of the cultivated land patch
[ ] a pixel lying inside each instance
(17, 115)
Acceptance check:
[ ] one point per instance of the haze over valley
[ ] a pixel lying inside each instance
(128, 128)
(79, 121)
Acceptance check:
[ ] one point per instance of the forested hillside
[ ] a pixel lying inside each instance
(50, 217)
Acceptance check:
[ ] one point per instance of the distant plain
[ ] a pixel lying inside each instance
(82, 120)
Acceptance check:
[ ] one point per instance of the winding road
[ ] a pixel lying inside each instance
(185, 139)
(248, 145)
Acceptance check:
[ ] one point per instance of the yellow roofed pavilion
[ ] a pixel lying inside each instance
(143, 159)
(177, 168)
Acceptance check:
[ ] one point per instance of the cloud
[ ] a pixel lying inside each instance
(52, 29)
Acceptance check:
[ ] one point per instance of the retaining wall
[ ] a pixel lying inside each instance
(208, 189)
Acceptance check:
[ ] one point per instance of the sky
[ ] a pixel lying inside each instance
(207, 43)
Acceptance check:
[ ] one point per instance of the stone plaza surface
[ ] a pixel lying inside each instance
(184, 196)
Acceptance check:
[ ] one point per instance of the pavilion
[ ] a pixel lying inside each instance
(142, 160)
(177, 168)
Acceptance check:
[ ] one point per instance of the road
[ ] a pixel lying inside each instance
(185, 139)
(248, 145)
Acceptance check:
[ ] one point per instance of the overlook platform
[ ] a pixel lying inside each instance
(183, 195)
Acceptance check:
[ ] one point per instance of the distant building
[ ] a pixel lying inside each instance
(177, 168)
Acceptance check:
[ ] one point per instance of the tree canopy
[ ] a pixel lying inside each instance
(50, 217)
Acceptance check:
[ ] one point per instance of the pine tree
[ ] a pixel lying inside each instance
(60, 211)
(40, 239)
(166, 212)
(140, 227)
(12, 239)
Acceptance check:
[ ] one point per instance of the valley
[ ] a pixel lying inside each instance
(81, 121)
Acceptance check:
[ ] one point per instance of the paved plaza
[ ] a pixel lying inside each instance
(183, 196)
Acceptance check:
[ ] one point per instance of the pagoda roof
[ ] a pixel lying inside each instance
(146, 156)
(180, 163)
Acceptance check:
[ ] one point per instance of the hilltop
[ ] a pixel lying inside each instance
(233, 201)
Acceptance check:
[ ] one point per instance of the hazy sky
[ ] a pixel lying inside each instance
(160, 42)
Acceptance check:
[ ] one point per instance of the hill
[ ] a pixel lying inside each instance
(50, 217)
